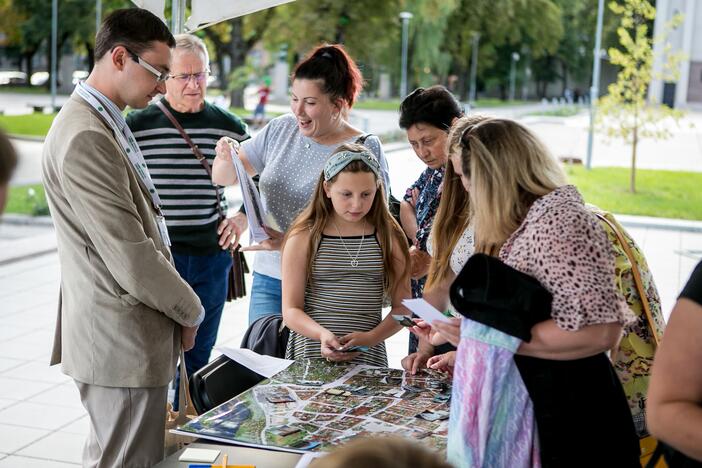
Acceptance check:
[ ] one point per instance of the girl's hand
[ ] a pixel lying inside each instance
(224, 148)
(449, 331)
(275, 241)
(329, 345)
(358, 339)
(443, 362)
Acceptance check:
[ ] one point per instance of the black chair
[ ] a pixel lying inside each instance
(220, 381)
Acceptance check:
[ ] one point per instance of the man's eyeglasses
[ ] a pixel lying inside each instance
(184, 78)
(160, 76)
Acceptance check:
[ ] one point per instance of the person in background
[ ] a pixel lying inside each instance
(674, 406)
(426, 114)
(195, 209)
(264, 91)
(341, 257)
(8, 162)
(124, 310)
(289, 154)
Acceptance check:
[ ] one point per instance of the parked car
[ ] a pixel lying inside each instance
(79, 75)
(39, 78)
(12, 78)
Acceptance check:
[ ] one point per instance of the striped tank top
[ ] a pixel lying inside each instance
(343, 298)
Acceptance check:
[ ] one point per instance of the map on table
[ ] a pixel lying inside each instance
(315, 406)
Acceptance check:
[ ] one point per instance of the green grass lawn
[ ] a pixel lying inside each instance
(20, 202)
(27, 124)
(394, 104)
(664, 194)
(378, 104)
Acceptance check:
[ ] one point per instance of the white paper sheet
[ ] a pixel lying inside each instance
(199, 455)
(424, 310)
(266, 366)
(307, 458)
(252, 201)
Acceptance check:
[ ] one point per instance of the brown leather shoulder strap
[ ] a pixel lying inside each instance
(638, 281)
(196, 151)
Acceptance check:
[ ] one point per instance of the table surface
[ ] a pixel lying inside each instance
(238, 455)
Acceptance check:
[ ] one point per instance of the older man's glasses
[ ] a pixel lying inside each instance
(160, 76)
(184, 78)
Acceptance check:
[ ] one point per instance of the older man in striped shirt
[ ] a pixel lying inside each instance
(199, 237)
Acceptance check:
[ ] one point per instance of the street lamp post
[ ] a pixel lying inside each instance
(473, 69)
(512, 75)
(594, 89)
(405, 16)
(54, 52)
(98, 15)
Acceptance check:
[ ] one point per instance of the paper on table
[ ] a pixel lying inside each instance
(252, 201)
(266, 366)
(424, 310)
(307, 458)
(199, 455)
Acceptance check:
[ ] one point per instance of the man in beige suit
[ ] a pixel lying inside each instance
(124, 310)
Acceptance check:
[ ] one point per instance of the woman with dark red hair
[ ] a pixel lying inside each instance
(289, 154)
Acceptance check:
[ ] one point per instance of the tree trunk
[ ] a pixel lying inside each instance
(634, 143)
(237, 52)
(91, 56)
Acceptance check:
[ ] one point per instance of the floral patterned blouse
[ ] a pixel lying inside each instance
(563, 246)
(429, 187)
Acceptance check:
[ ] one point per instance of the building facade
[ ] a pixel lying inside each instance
(687, 90)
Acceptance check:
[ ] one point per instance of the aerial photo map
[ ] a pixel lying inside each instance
(314, 406)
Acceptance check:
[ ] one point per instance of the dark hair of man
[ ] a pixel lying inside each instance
(332, 65)
(434, 106)
(133, 28)
(8, 159)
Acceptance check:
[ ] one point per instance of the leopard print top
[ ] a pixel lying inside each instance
(561, 244)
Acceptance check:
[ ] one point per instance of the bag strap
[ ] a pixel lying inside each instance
(636, 274)
(196, 151)
(185, 402)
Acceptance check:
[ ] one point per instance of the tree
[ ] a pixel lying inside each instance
(531, 27)
(624, 111)
(368, 29)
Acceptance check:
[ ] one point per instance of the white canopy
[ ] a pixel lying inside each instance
(205, 13)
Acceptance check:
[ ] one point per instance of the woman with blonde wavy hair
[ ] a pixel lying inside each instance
(525, 215)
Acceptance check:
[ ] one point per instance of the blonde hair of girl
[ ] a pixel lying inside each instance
(508, 168)
(319, 211)
(453, 215)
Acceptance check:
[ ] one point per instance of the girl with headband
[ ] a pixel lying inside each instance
(341, 257)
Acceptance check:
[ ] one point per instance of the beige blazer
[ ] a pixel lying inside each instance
(121, 297)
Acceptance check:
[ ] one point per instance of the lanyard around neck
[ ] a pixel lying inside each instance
(124, 136)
